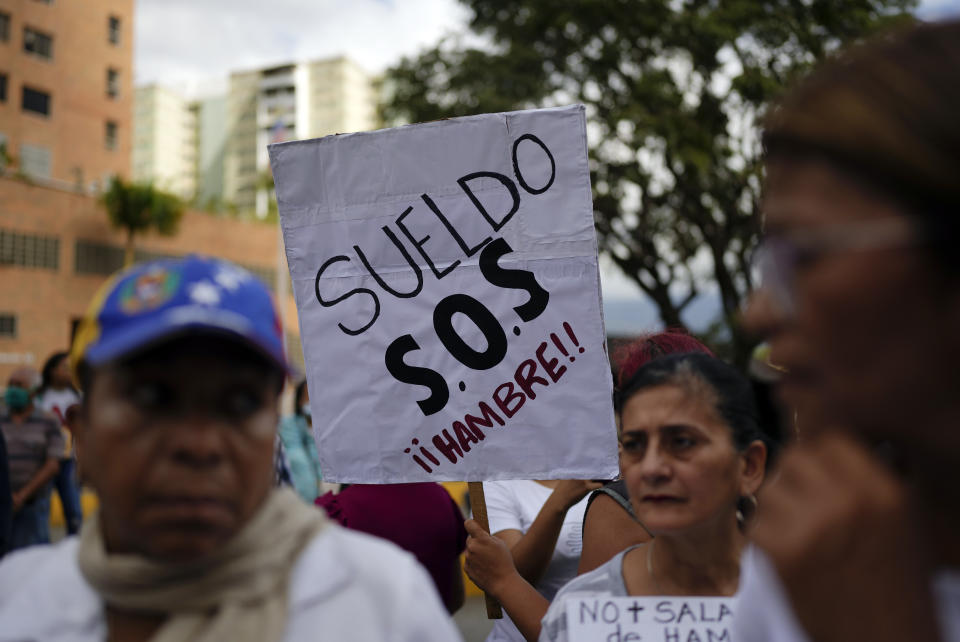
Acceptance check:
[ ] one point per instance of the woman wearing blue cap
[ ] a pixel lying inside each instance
(181, 362)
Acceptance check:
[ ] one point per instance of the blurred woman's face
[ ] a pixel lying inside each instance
(61, 374)
(867, 333)
(682, 468)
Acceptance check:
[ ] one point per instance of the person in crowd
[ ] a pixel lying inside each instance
(860, 304)
(55, 395)
(34, 447)
(609, 524)
(300, 448)
(540, 523)
(694, 458)
(70, 418)
(181, 364)
(6, 497)
(420, 518)
(281, 467)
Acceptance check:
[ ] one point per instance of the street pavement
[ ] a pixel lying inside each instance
(472, 619)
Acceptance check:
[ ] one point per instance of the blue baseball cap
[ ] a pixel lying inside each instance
(151, 302)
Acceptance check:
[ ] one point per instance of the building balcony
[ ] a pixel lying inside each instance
(269, 120)
(278, 81)
(286, 101)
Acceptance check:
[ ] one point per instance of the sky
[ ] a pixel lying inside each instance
(193, 45)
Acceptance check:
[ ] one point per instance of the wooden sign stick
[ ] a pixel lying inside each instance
(478, 506)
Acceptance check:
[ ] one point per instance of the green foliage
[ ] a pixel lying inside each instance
(138, 208)
(674, 90)
(6, 158)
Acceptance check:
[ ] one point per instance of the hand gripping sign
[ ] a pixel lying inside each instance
(447, 287)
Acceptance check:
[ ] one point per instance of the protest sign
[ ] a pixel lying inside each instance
(649, 619)
(447, 287)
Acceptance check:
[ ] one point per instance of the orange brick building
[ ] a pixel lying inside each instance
(57, 248)
(66, 88)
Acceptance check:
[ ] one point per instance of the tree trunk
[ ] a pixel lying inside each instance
(128, 252)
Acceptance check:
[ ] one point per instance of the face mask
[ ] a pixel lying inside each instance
(17, 398)
(305, 410)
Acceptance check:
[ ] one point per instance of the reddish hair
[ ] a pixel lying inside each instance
(648, 347)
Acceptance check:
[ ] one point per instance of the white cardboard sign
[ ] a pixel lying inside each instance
(448, 292)
(650, 619)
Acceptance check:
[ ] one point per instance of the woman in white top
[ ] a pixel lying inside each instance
(55, 396)
(861, 305)
(694, 457)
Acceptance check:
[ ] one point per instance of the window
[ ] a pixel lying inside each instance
(113, 30)
(92, 257)
(113, 83)
(37, 43)
(4, 26)
(35, 160)
(3, 88)
(110, 135)
(8, 326)
(29, 250)
(36, 101)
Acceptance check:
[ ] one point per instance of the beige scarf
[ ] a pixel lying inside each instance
(238, 593)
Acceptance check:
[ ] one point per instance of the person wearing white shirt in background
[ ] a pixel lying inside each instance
(857, 533)
(541, 522)
(181, 363)
(55, 396)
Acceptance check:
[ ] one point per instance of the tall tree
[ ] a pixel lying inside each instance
(674, 91)
(138, 208)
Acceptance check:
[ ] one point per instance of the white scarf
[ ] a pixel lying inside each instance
(239, 593)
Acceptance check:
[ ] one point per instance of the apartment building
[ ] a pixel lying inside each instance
(66, 96)
(210, 118)
(221, 142)
(164, 141)
(287, 102)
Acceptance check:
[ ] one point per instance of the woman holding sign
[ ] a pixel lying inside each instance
(694, 458)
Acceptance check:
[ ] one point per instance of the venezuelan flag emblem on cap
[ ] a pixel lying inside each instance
(153, 302)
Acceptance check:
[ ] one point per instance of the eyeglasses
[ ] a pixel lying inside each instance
(780, 256)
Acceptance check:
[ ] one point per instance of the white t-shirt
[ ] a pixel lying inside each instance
(604, 581)
(514, 505)
(345, 586)
(764, 613)
(56, 403)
